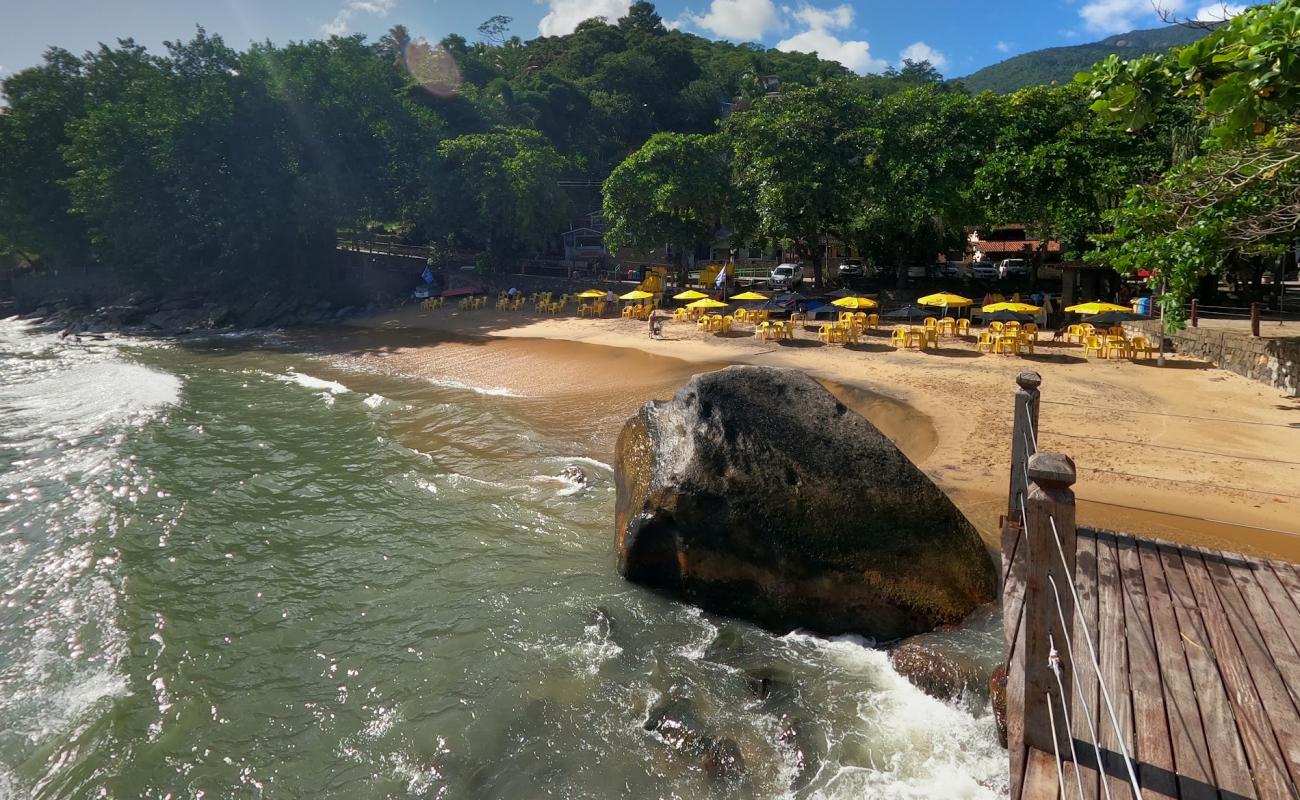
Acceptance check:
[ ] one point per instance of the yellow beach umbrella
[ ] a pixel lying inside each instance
(590, 293)
(1096, 307)
(1014, 308)
(635, 294)
(946, 300)
(690, 294)
(855, 302)
(707, 302)
(749, 296)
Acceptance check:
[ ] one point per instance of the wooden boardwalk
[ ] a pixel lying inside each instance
(1200, 650)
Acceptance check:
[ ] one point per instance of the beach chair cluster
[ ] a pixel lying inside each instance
(1109, 343)
(1008, 338)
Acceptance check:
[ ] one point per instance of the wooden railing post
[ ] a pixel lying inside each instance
(1024, 431)
(1050, 500)
(1195, 318)
(1254, 319)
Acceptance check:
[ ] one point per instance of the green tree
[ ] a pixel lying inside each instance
(1239, 199)
(798, 158)
(500, 191)
(674, 190)
(1055, 166)
(917, 186)
(35, 218)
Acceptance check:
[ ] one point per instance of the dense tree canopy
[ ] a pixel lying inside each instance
(1239, 198)
(203, 164)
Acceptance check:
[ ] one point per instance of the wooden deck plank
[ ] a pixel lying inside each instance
(1085, 570)
(1282, 588)
(1153, 748)
(1228, 761)
(1253, 725)
(1263, 645)
(1112, 653)
(1182, 713)
(1041, 779)
(1277, 618)
(1013, 583)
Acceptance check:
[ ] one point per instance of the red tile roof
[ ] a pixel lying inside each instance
(1013, 246)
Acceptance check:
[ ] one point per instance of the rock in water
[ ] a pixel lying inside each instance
(754, 492)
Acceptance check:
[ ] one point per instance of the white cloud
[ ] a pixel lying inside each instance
(339, 25)
(920, 51)
(814, 18)
(564, 15)
(1121, 16)
(819, 39)
(1003, 47)
(1218, 12)
(737, 20)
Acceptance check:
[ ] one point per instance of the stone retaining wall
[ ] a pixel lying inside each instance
(1274, 361)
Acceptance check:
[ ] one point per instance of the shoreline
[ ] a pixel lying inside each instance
(1187, 453)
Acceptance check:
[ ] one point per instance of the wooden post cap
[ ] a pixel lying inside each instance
(1029, 380)
(1051, 469)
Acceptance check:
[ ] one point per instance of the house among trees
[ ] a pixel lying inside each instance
(1008, 241)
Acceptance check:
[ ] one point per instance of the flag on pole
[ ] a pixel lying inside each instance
(427, 275)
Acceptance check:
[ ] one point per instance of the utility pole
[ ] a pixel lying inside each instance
(1164, 286)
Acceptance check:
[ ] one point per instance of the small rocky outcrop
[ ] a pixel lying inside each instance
(754, 492)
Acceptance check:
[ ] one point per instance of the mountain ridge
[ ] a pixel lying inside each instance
(1059, 64)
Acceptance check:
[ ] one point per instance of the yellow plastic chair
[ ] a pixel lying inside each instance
(826, 333)
(1027, 341)
(931, 322)
(995, 327)
(873, 321)
(740, 315)
(680, 315)
(1008, 343)
(947, 326)
(1093, 344)
(727, 322)
(963, 327)
(985, 342)
(1140, 344)
(1011, 327)
(760, 330)
(1031, 328)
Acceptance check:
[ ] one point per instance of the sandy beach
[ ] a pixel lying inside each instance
(1186, 452)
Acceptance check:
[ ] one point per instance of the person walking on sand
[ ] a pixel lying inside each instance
(656, 324)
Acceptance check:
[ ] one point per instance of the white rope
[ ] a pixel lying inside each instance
(1056, 748)
(1054, 661)
(1029, 426)
(1078, 691)
(1096, 665)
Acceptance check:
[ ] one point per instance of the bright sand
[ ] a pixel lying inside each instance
(1187, 452)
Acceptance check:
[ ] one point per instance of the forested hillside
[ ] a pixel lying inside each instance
(1058, 65)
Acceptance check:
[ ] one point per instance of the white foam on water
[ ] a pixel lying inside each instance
(375, 401)
(489, 391)
(312, 382)
(904, 744)
(578, 460)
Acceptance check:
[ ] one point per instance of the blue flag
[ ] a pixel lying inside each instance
(427, 275)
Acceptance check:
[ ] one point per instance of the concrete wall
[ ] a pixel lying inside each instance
(1274, 361)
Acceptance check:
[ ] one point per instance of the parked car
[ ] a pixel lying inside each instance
(984, 270)
(1013, 268)
(948, 269)
(852, 268)
(786, 276)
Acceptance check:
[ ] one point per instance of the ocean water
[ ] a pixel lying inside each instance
(236, 568)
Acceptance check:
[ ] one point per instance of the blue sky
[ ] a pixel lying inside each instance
(958, 36)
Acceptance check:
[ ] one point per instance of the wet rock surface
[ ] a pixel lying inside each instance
(754, 492)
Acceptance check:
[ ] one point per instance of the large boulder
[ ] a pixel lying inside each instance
(754, 492)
